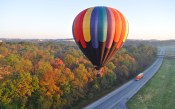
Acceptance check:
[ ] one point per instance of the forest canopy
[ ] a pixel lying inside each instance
(57, 75)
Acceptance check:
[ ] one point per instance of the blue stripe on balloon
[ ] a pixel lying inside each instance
(94, 27)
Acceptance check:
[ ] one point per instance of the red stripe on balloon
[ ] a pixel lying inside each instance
(78, 28)
(75, 29)
(111, 27)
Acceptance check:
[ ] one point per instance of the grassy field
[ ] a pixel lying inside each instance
(159, 92)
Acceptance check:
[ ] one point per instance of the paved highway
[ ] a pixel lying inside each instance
(118, 98)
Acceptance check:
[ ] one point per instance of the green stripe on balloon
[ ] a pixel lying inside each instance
(102, 25)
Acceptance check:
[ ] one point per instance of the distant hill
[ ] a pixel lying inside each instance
(151, 42)
(68, 40)
(35, 40)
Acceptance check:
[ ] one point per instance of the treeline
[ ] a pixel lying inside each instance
(56, 76)
(151, 42)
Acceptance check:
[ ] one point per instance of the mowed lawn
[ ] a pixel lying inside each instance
(159, 92)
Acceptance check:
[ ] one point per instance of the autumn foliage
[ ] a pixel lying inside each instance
(57, 75)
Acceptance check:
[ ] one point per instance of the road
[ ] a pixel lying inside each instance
(118, 98)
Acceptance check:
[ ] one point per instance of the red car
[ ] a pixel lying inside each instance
(139, 76)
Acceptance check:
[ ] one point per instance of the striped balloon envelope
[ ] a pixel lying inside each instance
(100, 32)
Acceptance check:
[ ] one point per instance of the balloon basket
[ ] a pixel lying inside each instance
(100, 72)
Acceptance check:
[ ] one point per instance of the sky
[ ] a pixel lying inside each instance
(52, 19)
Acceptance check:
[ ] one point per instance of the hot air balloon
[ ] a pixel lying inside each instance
(100, 32)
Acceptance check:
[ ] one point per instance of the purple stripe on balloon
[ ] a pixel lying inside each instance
(94, 27)
(111, 28)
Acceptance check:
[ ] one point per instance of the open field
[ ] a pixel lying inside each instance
(158, 93)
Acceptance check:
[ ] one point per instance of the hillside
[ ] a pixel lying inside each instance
(158, 93)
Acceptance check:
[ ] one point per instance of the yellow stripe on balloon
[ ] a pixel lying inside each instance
(127, 29)
(86, 25)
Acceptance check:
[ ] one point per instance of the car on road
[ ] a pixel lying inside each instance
(139, 76)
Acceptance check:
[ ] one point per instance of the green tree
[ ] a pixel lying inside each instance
(70, 61)
(15, 91)
(43, 67)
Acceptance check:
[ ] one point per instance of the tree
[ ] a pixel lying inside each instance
(58, 63)
(15, 91)
(43, 67)
(70, 61)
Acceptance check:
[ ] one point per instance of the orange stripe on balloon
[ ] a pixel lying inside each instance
(120, 42)
(118, 25)
(78, 28)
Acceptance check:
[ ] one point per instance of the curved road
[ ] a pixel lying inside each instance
(118, 98)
